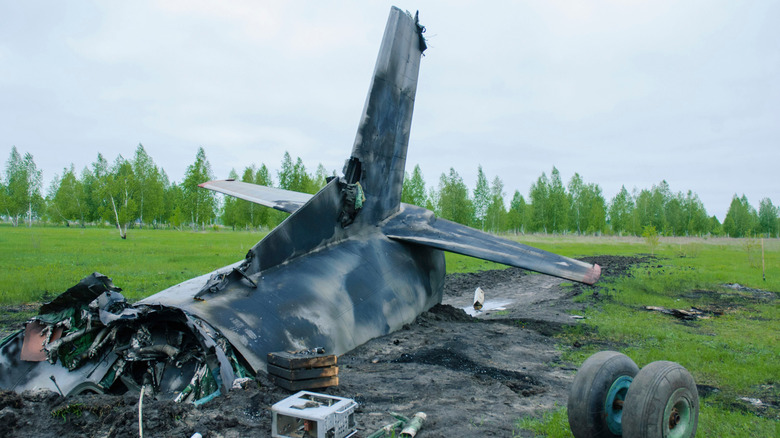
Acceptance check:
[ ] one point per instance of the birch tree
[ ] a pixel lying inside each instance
(198, 205)
(621, 212)
(481, 198)
(15, 187)
(577, 201)
(453, 197)
(559, 203)
(119, 190)
(539, 195)
(517, 215)
(768, 218)
(67, 199)
(741, 219)
(149, 186)
(495, 216)
(414, 188)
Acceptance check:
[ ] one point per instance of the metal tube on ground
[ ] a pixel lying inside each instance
(414, 425)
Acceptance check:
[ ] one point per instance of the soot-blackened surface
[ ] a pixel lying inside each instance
(518, 382)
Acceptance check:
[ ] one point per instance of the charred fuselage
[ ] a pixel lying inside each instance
(349, 264)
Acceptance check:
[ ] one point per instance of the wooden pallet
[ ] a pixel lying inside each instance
(297, 371)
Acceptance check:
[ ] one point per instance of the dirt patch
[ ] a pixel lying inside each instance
(471, 375)
(618, 266)
(612, 266)
(732, 296)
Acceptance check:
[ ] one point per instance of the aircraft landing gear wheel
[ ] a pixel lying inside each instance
(662, 402)
(595, 406)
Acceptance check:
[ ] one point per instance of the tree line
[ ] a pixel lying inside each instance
(580, 208)
(138, 193)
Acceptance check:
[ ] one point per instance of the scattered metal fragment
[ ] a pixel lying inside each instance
(414, 425)
(752, 401)
(36, 334)
(54, 380)
(389, 430)
(408, 427)
(691, 314)
(141, 413)
(479, 298)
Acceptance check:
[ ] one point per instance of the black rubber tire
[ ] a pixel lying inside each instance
(589, 417)
(661, 402)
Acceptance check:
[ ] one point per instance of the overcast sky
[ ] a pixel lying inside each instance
(622, 92)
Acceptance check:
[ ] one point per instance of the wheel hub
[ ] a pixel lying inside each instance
(613, 405)
(674, 418)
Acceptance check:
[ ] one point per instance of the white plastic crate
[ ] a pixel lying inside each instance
(312, 415)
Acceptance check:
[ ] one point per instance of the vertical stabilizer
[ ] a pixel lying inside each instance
(383, 134)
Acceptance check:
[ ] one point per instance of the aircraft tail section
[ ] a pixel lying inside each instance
(379, 154)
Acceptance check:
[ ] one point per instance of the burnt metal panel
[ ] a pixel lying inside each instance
(315, 224)
(337, 297)
(34, 340)
(383, 132)
(20, 375)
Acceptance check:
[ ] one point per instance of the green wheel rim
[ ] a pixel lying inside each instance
(677, 418)
(613, 404)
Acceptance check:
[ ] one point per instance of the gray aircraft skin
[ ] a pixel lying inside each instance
(351, 262)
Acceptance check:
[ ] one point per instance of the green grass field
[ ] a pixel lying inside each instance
(736, 354)
(40, 262)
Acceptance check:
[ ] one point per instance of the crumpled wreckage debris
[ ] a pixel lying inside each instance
(90, 339)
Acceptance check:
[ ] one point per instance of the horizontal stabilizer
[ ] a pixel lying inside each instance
(418, 226)
(279, 199)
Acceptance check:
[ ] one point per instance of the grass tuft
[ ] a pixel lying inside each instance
(553, 424)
